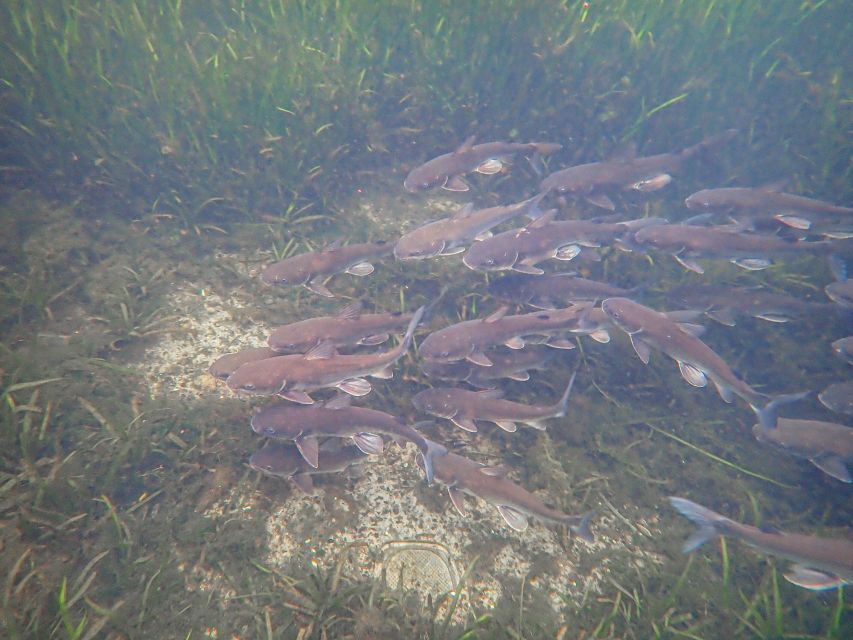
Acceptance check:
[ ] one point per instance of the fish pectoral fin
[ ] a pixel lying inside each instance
(774, 317)
(494, 471)
(813, 579)
(518, 376)
(369, 443)
(375, 339)
(832, 465)
(567, 252)
(479, 358)
(723, 315)
(642, 350)
(600, 335)
(458, 500)
(752, 264)
(692, 374)
(513, 517)
(340, 401)
(316, 285)
(497, 314)
(355, 386)
(529, 269)
(299, 397)
(451, 251)
(465, 423)
(310, 449)
(688, 264)
(601, 200)
(535, 424)
(516, 342)
(507, 425)
(360, 269)
(652, 183)
(490, 166)
(795, 222)
(321, 351)
(455, 183)
(386, 373)
(304, 482)
(561, 343)
(350, 312)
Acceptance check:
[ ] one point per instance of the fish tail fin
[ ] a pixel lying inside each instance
(580, 525)
(429, 451)
(709, 522)
(563, 403)
(413, 324)
(838, 267)
(710, 143)
(767, 414)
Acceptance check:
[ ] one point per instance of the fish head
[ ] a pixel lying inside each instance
(484, 256)
(276, 459)
(271, 424)
(619, 310)
(285, 340)
(255, 378)
(416, 247)
(423, 178)
(701, 201)
(284, 274)
(434, 402)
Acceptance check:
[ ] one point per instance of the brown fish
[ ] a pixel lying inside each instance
(821, 563)
(322, 367)
(445, 171)
(553, 290)
(826, 445)
(838, 397)
(284, 461)
(514, 364)
(225, 365)
(513, 502)
(310, 269)
(349, 327)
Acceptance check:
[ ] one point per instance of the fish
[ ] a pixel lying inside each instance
(649, 329)
(749, 251)
(514, 503)
(591, 181)
(844, 348)
(449, 236)
(838, 397)
(827, 445)
(225, 365)
(553, 290)
(348, 327)
(841, 293)
(820, 563)
(310, 269)
(463, 408)
(522, 249)
(290, 376)
(514, 364)
(281, 460)
(469, 340)
(788, 209)
(724, 304)
(303, 425)
(445, 171)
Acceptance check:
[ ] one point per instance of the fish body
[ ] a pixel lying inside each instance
(821, 563)
(649, 329)
(844, 348)
(841, 292)
(514, 364)
(749, 251)
(838, 397)
(349, 327)
(469, 340)
(827, 445)
(445, 171)
(285, 461)
(304, 424)
(514, 503)
(292, 375)
(311, 268)
(225, 365)
(592, 180)
(463, 408)
(792, 210)
(724, 304)
(522, 249)
(552, 290)
(449, 236)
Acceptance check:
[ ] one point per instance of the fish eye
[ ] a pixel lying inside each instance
(269, 431)
(249, 386)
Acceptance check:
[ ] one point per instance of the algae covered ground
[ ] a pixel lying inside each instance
(156, 156)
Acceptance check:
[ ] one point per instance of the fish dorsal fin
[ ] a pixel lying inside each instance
(334, 245)
(691, 328)
(543, 220)
(350, 312)
(310, 450)
(496, 471)
(683, 315)
(465, 211)
(625, 153)
(601, 200)
(491, 393)
(340, 401)
(513, 517)
(466, 145)
(774, 187)
(323, 350)
(496, 315)
(480, 359)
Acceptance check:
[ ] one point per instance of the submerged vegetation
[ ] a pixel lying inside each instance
(141, 140)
